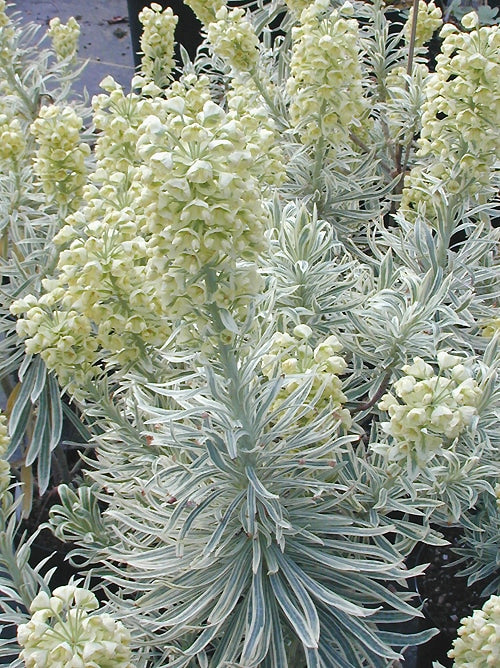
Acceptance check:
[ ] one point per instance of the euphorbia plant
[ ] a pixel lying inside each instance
(275, 302)
(43, 166)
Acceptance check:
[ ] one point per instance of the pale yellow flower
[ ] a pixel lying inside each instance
(233, 38)
(491, 327)
(206, 10)
(4, 435)
(429, 19)
(64, 37)
(157, 45)
(478, 642)
(428, 410)
(325, 83)
(65, 632)
(298, 5)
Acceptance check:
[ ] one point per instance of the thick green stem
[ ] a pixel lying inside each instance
(319, 159)
(413, 34)
(267, 98)
(59, 459)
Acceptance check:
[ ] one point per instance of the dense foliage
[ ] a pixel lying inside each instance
(267, 280)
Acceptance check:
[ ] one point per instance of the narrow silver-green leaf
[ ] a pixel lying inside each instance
(40, 436)
(294, 578)
(56, 413)
(261, 491)
(44, 460)
(41, 374)
(217, 534)
(256, 639)
(296, 617)
(23, 398)
(233, 589)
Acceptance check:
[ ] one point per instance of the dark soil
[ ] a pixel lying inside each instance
(46, 544)
(446, 596)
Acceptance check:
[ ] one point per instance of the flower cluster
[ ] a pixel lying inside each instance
(429, 19)
(460, 115)
(293, 357)
(12, 140)
(325, 83)
(60, 157)
(100, 298)
(62, 338)
(462, 97)
(117, 117)
(202, 198)
(64, 37)
(246, 103)
(4, 20)
(173, 220)
(478, 642)
(429, 409)
(233, 38)
(206, 10)
(157, 45)
(103, 277)
(6, 34)
(62, 633)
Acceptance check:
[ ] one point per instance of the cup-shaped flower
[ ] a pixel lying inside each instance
(64, 37)
(65, 631)
(428, 410)
(157, 46)
(429, 19)
(478, 642)
(325, 89)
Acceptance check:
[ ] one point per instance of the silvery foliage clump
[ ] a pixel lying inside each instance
(276, 307)
(34, 74)
(36, 77)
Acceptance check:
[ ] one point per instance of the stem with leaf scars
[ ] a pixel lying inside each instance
(401, 163)
(378, 394)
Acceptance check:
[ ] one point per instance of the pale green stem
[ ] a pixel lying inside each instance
(265, 94)
(413, 34)
(401, 164)
(228, 360)
(320, 152)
